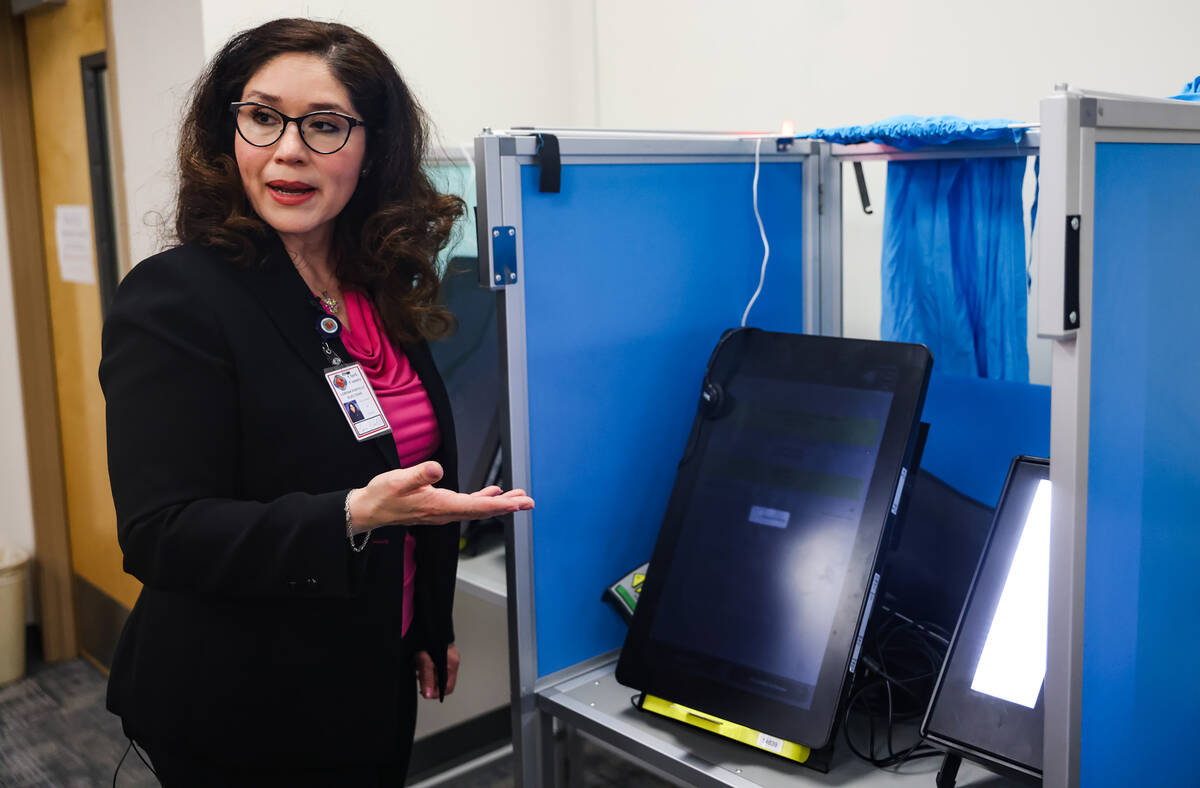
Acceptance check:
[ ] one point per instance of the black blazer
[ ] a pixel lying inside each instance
(259, 635)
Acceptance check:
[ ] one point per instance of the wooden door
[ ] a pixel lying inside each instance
(61, 42)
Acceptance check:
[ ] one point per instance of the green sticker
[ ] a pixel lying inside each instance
(627, 597)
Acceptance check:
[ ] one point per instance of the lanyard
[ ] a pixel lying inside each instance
(328, 327)
(350, 386)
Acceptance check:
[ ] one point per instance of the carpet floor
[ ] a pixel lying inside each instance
(56, 733)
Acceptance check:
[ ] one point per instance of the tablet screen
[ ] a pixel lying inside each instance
(988, 702)
(786, 479)
(766, 557)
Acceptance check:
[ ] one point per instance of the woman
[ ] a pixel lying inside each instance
(296, 565)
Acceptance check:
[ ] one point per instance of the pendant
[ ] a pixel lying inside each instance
(330, 302)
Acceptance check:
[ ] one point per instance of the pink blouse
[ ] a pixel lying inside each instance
(403, 399)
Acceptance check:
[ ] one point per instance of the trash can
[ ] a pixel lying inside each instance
(12, 612)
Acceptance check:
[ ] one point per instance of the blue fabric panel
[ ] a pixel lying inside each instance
(907, 132)
(1190, 92)
(1140, 698)
(954, 264)
(977, 426)
(631, 274)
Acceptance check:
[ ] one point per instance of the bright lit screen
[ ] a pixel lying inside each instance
(1013, 663)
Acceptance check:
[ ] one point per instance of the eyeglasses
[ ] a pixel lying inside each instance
(323, 132)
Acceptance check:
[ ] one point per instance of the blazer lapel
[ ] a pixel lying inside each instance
(278, 288)
(286, 299)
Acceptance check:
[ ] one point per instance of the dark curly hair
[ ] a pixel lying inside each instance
(388, 236)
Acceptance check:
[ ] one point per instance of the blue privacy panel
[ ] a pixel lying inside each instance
(976, 427)
(1141, 698)
(631, 273)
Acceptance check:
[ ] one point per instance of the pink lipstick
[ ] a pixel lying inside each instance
(290, 192)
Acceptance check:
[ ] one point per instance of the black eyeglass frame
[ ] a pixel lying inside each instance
(234, 106)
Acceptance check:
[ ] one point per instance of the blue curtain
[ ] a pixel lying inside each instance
(1190, 92)
(908, 132)
(954, 264)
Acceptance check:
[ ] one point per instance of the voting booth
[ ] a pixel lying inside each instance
(1120, 191)
(619, 258)
(604, 352)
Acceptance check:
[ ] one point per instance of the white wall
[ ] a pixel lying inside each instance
(709, 64)
(158, 54)
(16, 522)
(470, 63)
(689, 64)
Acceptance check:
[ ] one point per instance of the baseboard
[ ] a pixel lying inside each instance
(100, 619)
(459, 744)
(33, 645)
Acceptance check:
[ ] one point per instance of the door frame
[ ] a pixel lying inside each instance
(52, 559)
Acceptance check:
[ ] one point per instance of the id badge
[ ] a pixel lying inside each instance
(357, 400)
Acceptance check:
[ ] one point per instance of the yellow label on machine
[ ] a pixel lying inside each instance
(730, 730)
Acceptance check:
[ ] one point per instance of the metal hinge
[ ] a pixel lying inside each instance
(1071, 275)
(504, 256)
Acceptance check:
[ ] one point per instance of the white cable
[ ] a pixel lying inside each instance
(763, 233)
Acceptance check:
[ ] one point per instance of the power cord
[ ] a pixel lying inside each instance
(124, 755)
(895, 683)
(762, 232)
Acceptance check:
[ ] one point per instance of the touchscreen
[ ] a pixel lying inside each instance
(768, 532)
(989, 698)
(767, 559)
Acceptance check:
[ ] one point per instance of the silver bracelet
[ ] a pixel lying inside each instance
(358, 548)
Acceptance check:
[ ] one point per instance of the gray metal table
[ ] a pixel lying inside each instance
(595, 705)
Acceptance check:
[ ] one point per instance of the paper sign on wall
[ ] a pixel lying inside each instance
(73, 235)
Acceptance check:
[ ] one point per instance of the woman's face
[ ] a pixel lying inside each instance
(292, 188)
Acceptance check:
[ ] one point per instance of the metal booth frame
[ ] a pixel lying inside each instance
(538, 702)
(1072, 123)
(499, 157)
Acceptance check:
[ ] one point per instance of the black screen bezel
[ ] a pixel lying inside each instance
(649, 666)
(1005, 532)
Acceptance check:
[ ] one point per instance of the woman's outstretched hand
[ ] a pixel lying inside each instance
(406, 496)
